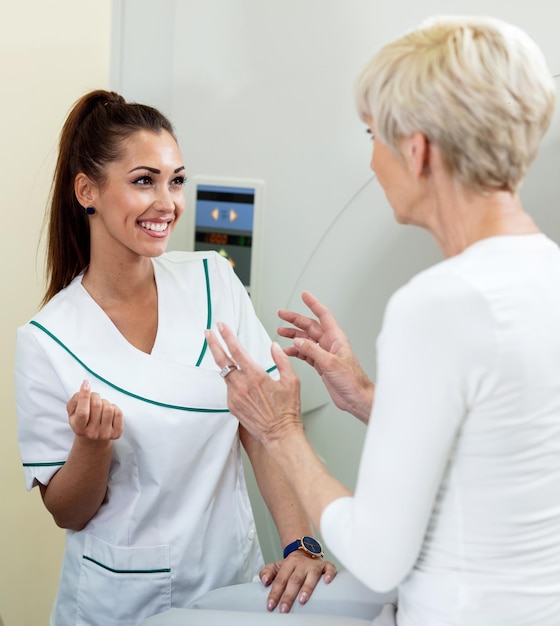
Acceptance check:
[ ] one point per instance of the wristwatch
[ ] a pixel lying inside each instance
(309, 545)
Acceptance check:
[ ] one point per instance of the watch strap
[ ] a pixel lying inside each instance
(292, 547)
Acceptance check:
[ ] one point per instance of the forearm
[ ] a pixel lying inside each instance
(75, 493)
(289, 515)
(305, 481)
(312, 482)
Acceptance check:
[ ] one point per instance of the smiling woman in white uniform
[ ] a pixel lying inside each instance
(458, 494)
(122, 412)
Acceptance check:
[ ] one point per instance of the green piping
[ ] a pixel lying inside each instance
(163, 570)
(209, 309)
(56, 463)
(120, 389)
(137, 397)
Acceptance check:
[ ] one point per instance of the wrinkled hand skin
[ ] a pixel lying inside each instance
(321, 342)
(267, 408)
(294, 577)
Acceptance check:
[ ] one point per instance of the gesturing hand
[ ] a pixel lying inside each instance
(93, 417)
(266, 407)
(322, 343)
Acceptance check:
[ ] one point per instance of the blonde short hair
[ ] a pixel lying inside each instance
(478, 88)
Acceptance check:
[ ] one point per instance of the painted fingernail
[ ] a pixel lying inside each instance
(284, 608)
(264, 580)
(270, 605)
(86, 385)
(327, 579)
(303, 597)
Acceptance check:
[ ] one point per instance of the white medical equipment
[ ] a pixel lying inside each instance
(225, 216)
(344, 602)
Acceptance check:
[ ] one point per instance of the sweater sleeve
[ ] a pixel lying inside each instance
(432, 352)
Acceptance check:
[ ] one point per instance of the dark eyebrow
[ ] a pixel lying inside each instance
(154, 170)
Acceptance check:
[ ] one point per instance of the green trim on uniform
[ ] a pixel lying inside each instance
(54, 464)
(133, 395)
(163, 570)
(120, 389)
(209, 309)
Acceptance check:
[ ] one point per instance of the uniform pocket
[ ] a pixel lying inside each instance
(120, 585)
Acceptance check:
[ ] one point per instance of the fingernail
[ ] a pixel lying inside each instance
(284, 608)
(303, 597)
(298, 342)
(270, 605)
(86, 385)
(327, 579)
(220, 326)
(264, 580)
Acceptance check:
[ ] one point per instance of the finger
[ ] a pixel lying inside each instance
(299, 586)
(268, 573)
(311, 351)
(321, 312)
(107, 418)
(292, 333)
(308, 585)
(329, 572)
(72, 403)
(81, 413)
(282, 361)
(297, 319)
(238, 353)
(118, 423)
(285, 587)
(305, 326)
(220, 356)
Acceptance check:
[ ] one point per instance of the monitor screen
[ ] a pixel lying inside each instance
(224, 222)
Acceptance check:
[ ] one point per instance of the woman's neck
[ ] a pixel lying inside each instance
(111, 280)
(467, 217)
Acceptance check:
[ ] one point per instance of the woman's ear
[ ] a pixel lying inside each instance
(84, 190)
(416, 151)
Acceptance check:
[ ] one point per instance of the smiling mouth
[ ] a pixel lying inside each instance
(158, 227)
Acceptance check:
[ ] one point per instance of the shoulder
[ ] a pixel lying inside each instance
(444, 298)
(442, 284)
(194, 272)
(178, 260)
(60, 307)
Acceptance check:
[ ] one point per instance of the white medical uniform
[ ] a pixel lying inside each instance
(176, 521)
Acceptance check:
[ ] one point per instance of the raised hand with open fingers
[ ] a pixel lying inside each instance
(266, 407)
(323, 344)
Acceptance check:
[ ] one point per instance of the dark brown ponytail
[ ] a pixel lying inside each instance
(91, 138)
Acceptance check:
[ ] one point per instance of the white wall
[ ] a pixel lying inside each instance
(50, 53)
(264, 90)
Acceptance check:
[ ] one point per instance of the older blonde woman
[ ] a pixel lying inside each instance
(458, 495)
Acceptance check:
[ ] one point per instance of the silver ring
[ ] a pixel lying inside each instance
(226, 370)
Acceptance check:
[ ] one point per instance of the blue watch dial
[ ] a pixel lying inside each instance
(312, 545)
(309, 545)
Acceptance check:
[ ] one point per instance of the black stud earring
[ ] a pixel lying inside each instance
(90, 210)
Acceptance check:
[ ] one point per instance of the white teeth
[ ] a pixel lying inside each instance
(159, 227)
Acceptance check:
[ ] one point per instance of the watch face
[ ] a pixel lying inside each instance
(312, 545)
